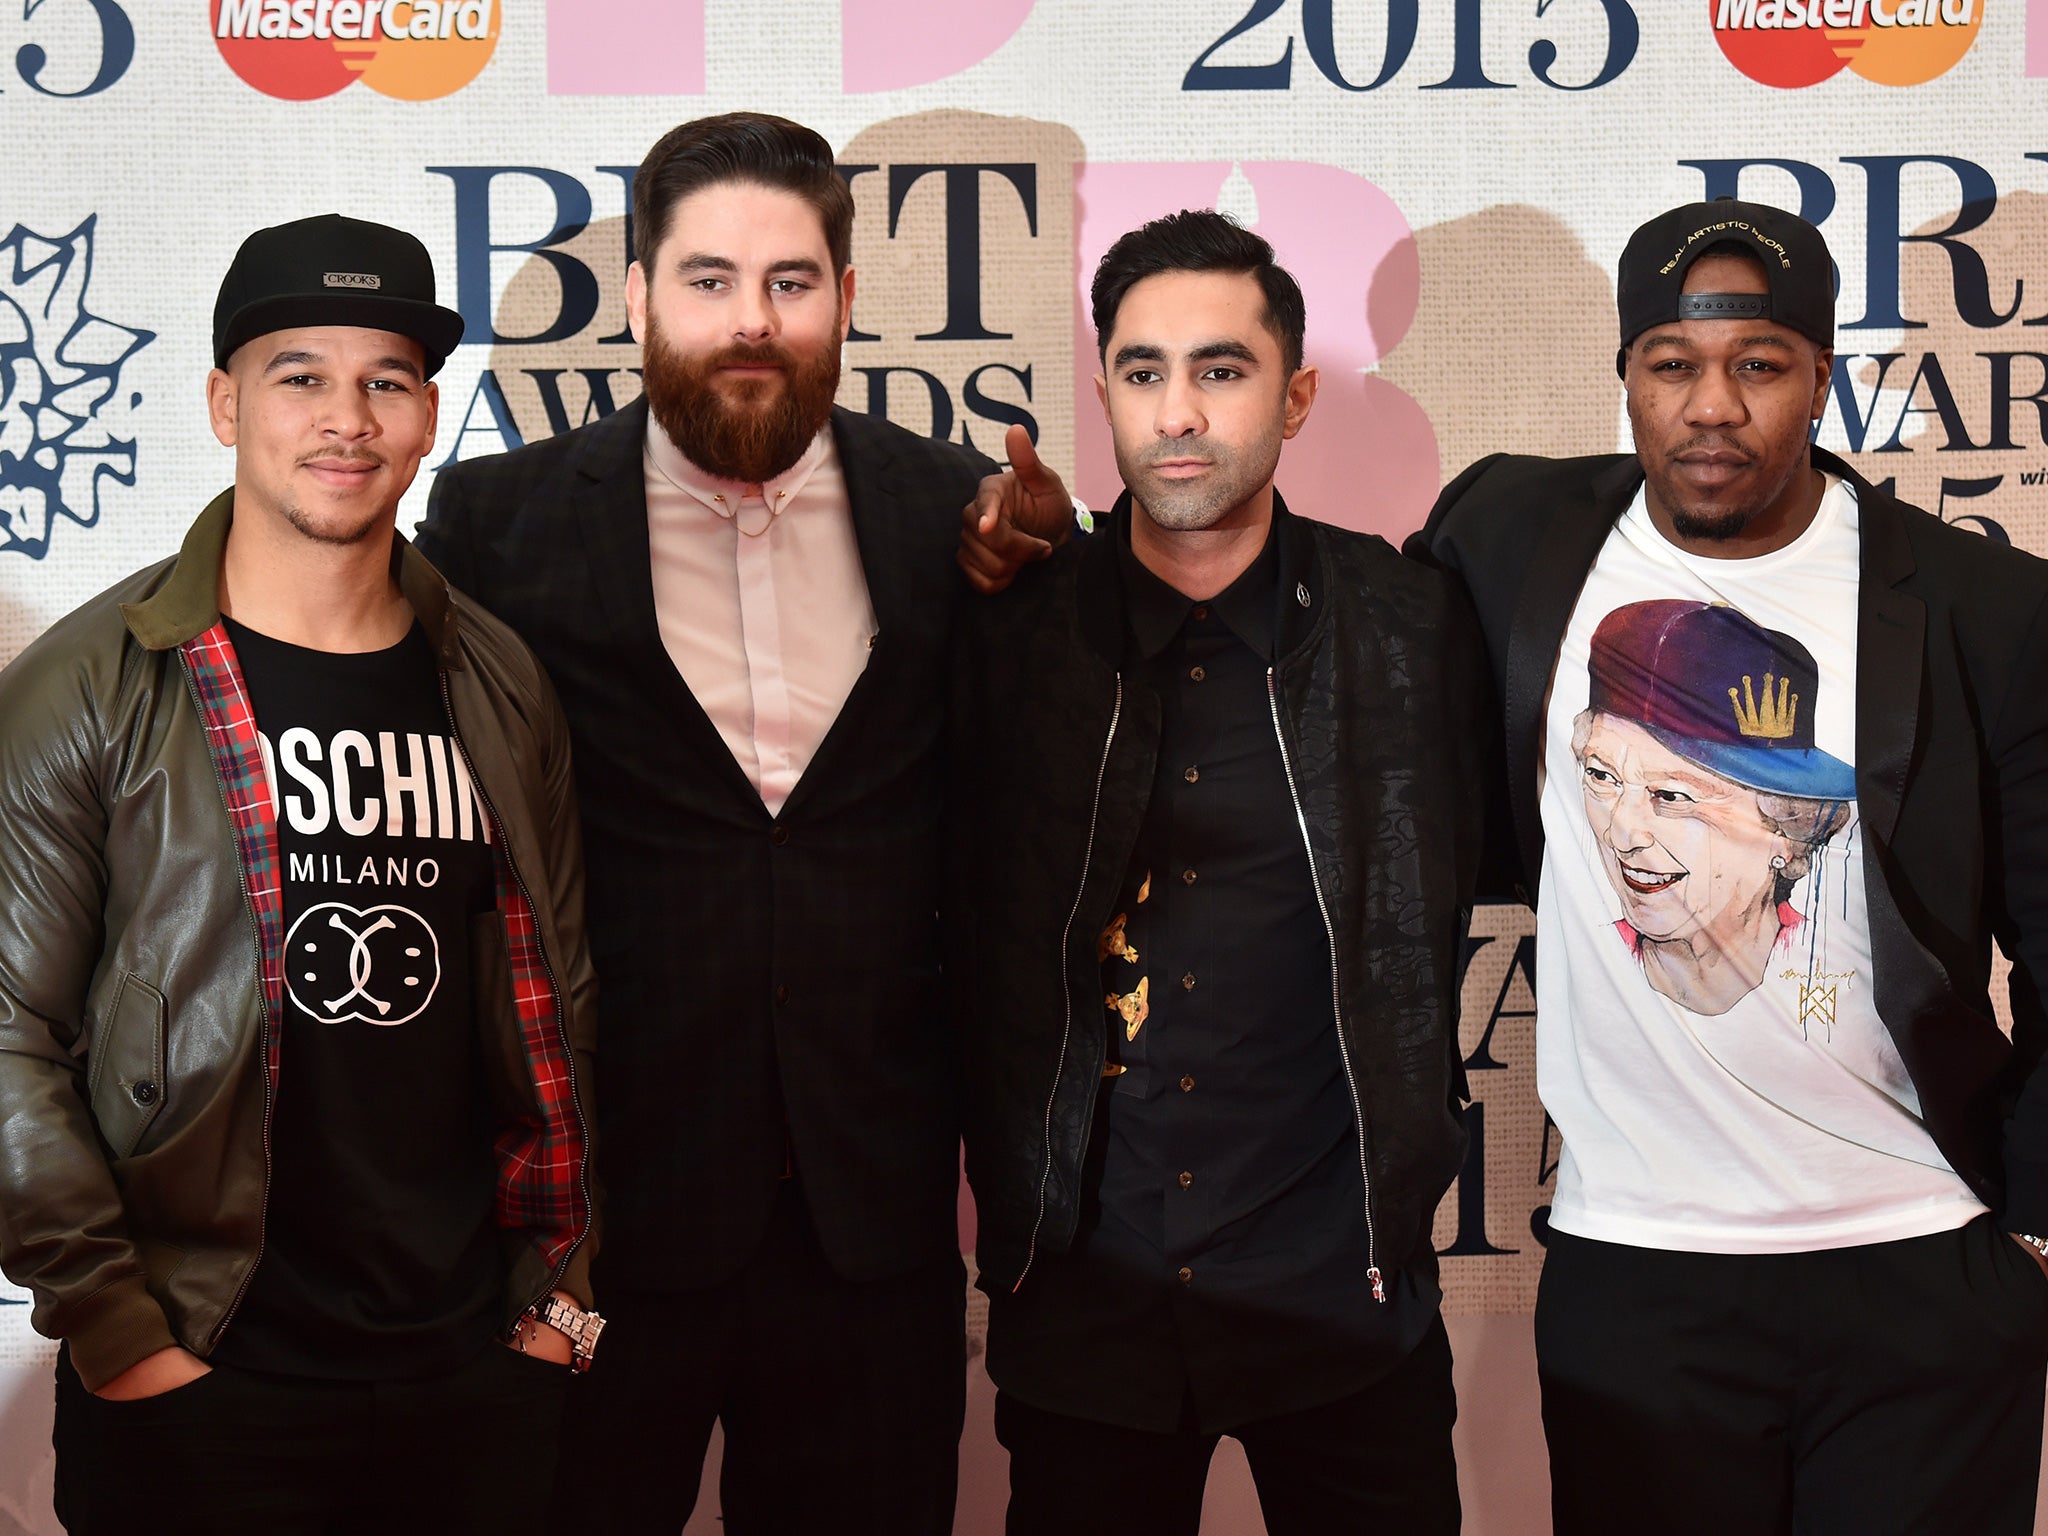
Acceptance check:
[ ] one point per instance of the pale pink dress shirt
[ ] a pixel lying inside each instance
(762, 602)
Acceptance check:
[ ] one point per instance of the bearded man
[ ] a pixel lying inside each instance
(746, 599)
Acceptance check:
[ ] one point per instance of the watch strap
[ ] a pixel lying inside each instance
(581, 1328)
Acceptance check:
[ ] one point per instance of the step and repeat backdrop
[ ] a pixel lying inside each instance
(1451, 180)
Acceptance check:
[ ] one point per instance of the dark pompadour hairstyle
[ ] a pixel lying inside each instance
(1198, 240)
(745, 147)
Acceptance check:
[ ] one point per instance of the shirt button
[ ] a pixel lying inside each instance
(1201, 610)
(1186, 1274)
(1192, 774)
(1188, 877)
(1187, 982)
(780, 836)
(782, 994)
(1197, 673)
(1187, 1085)
(1186, 1179)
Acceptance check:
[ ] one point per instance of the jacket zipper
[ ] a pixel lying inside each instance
(554, 986)
(1372, 1267)
(262, 1019)
(1066, 982)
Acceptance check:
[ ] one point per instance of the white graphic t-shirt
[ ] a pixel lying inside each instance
(1709, 1046)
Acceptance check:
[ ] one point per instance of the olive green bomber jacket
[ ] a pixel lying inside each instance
(140, 960)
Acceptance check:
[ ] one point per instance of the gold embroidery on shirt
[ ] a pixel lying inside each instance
(1132, 1007)
(1145, 889)
(1819, 994)
(1113, 941)
(1817, 1004)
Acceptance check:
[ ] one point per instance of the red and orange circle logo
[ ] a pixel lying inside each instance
(1791, 43)
(413, 50)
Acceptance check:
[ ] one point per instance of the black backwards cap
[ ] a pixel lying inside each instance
(331, 270)
(1797, 269)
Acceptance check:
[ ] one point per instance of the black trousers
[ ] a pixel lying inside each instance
(1379, 1460)
(842, 1401)
(1890, 1388)
(237, 1452)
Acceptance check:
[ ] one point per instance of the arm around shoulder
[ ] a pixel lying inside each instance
(1429, 544)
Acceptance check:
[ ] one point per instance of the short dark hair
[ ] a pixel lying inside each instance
(1198, 240)
(750, 147)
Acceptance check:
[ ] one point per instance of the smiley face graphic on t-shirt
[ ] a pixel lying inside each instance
(379, 964)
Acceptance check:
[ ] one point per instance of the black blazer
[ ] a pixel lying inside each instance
(1951, 772)
(770, 986)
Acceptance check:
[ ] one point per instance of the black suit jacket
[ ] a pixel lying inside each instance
(1951, 772)
(770, 984)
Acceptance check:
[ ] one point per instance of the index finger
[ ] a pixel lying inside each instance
(1025, 461)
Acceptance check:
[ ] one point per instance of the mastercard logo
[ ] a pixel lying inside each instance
(1793, 43)
(413, 50)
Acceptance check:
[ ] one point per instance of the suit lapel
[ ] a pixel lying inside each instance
(877, 505)
(1891, 648)
(611, 517)
(1947, 1042)
(1564, 555)
(875, 501)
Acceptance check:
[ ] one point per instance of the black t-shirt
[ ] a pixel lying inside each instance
(379, 1257)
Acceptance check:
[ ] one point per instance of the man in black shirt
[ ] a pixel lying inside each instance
(295, 1001)
(1238, 751)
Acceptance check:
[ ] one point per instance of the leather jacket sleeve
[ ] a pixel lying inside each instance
(63, 1234)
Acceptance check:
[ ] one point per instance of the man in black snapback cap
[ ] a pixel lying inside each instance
(295, 999)
(1799, 276)
(331, 270)
(1794, 1275)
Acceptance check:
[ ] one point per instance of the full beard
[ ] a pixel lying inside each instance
(751, 430)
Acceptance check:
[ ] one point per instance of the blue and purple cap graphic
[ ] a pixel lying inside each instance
(1721, 691)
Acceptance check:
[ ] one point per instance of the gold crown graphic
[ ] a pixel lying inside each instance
(1779, 715)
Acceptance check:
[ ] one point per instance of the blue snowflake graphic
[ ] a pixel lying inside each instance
(60, 365)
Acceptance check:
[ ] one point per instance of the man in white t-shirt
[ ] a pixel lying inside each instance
(1777, 782)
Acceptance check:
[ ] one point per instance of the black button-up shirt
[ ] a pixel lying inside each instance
(1219, 1274)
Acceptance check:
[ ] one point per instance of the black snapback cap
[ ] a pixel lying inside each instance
(332, 270)
(1797, 269)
